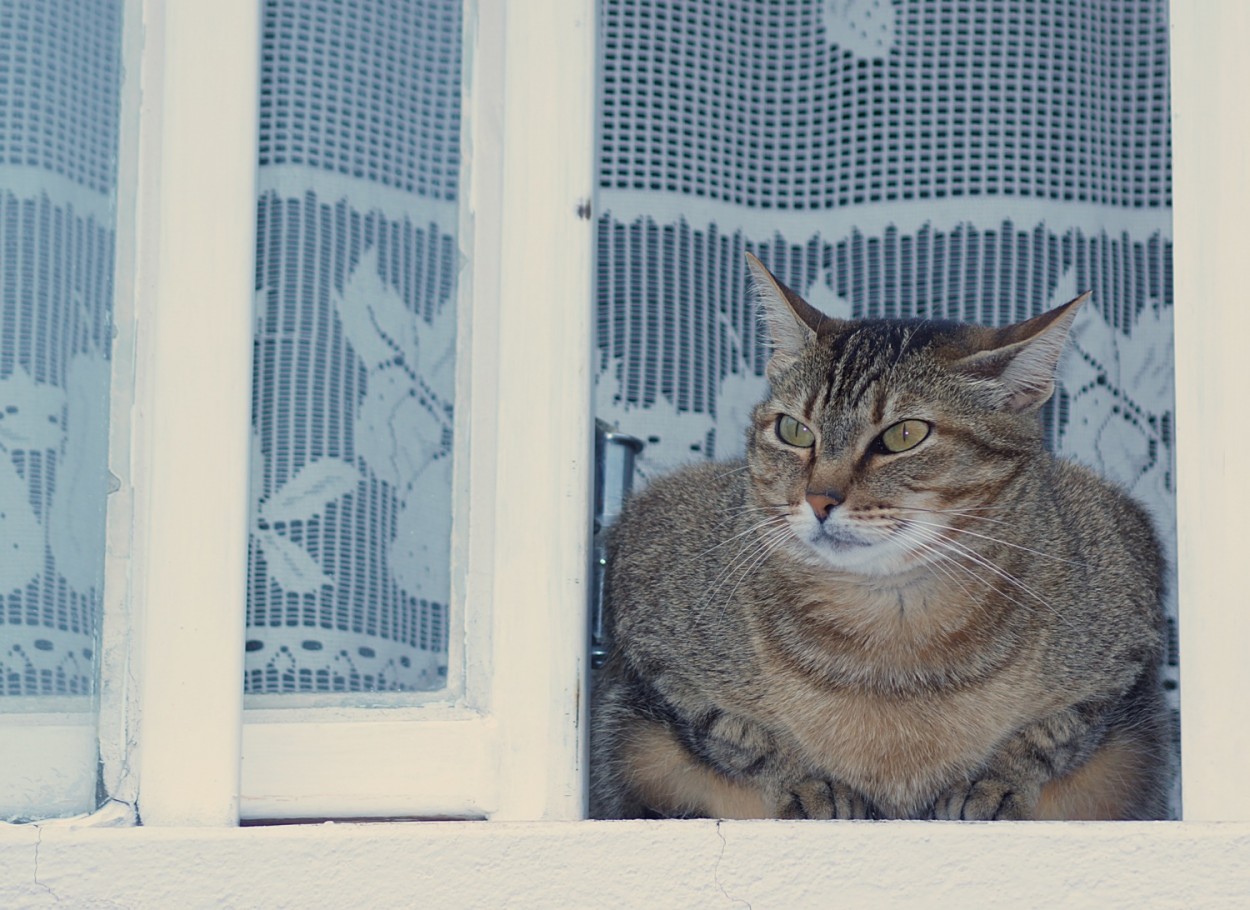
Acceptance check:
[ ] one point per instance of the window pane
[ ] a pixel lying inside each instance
(353, 389)
(59, 81)
(887, 159)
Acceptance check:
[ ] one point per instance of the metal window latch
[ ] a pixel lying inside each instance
(614, 478)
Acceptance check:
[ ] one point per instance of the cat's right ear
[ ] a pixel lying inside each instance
(792, 322)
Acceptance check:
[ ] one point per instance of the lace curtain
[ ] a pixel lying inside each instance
(59, 82)
(356, 266)
(982, 161)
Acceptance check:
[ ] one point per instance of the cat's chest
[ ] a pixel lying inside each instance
(932, 728)
(899, 749)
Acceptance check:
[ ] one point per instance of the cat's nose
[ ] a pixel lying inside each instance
(824, 502)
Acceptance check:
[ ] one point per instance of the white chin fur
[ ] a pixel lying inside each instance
(849, 549)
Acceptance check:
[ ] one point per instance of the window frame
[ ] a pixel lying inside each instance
(171, 655)
(1211, 191)
(161, 646)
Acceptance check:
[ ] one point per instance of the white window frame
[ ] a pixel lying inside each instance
(1211, 189)
(512, 744)
(173, 659)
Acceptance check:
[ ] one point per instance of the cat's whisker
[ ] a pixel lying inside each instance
(742, 567)
(963, 513)
(981, 560)
(950, 558)
(769, 543)
(747, 559)
(747, 510)
(944, 558)
(766, 549)
(955, 547)
(940, 561)
(997, 540)
(908, 335)
(755, 527)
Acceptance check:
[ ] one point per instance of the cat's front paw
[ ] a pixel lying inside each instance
(987, 799)
(817, 797)
(732, 745)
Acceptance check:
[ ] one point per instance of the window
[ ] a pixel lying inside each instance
(182, 439)
(187, 195)
(680, 355)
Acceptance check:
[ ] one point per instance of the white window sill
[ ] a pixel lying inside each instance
(634, 864)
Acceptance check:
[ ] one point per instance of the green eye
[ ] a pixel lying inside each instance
(904, 435)
(793, 433)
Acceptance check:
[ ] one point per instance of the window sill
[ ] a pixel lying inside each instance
(634, 863)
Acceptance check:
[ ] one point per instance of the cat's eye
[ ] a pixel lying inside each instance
(793, 433)
(904, 435)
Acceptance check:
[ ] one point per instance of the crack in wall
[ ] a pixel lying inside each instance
(716, 869)
(39, 884)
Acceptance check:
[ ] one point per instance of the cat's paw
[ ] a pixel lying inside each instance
(987, 799)
(816, 797)
(733, 745)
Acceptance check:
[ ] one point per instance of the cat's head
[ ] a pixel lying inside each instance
(883, 441)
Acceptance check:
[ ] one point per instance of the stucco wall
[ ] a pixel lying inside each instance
(633, 864)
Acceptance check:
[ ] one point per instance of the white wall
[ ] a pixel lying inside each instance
(631, 864)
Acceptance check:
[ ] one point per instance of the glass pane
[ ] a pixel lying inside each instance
(59, 86)
(887, 159)
(353, 390)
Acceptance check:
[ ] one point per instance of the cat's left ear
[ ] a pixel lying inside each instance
(1022, 359)
(792, 322)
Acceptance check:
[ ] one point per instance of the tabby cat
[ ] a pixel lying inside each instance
(899, 605)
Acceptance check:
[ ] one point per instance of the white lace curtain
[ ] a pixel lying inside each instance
(59, 82)
(356, 266)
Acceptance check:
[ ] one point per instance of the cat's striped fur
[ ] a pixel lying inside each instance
(898, 605)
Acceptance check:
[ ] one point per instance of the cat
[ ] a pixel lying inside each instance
(899, 605)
